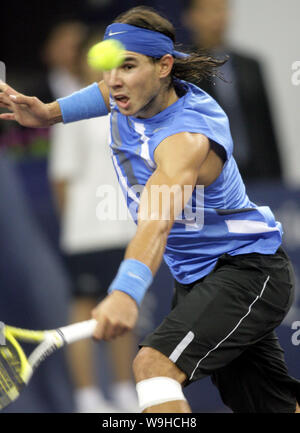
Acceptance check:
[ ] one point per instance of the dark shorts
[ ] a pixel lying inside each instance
(223, 326)
(91, 273)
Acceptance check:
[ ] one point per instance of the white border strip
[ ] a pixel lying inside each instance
(248, 312)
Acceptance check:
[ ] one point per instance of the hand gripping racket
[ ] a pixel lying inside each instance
(16, 368)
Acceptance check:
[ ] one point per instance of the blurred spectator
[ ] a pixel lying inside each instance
(242, 95)
(60, 54)
(79, 164)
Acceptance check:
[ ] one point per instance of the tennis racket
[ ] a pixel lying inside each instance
(16, 368)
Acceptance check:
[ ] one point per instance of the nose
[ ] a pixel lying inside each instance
(112, 78)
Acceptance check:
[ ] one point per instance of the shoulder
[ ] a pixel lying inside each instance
(200, 107)
(182, 148)
(199, 115)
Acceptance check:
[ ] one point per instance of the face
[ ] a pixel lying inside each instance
(207, 20)
(136, 86)
(62, 48)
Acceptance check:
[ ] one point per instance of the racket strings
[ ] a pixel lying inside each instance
(10, 380)
(16, 368)
(5, 381)
(10, 364)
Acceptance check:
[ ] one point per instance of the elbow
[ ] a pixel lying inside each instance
(158, 228)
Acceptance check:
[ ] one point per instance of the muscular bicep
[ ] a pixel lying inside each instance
(179, 159)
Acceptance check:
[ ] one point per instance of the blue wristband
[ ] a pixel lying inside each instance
(84, 104)
(133, 278)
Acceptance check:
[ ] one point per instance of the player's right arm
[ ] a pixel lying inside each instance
(30, 111)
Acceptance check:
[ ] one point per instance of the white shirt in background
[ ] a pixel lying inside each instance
(80, 154)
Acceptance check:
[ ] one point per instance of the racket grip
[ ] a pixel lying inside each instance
(78, 331)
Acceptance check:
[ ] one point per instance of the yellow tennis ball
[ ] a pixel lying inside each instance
(106, 55)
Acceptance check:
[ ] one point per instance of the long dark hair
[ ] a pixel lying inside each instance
(198, 66)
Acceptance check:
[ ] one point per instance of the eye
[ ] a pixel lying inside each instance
(127, 67)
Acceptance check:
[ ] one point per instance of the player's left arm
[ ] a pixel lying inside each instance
(179, 159)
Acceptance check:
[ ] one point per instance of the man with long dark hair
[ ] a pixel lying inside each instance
(242, 94)
(172, 151)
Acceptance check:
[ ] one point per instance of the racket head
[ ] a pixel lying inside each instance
(15, 370)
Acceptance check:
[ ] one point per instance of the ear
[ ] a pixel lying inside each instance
(165, 65)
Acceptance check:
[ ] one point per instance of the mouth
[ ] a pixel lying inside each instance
(122, 101)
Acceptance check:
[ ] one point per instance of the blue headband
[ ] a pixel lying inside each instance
(142, 41)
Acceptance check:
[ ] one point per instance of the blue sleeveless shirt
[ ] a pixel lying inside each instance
(217, 219)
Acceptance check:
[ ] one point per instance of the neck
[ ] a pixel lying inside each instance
(158, 103)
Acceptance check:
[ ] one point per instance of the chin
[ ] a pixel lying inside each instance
(133, 111)
(129, 112)
(125, 111)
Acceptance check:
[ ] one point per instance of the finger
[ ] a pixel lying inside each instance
(7, 116)
(4, 99)
(4, 104)
(6, 88)
(2, 86)
(118, 332)
(109, 334)
(98, 332)
(21, 99)
(109, 331)
(113, 331)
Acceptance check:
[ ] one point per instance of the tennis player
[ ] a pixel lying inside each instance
(233, 281)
